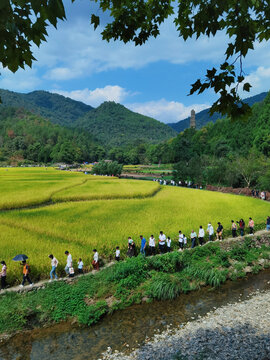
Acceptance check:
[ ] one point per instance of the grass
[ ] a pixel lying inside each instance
(125, 283)
(106, 223)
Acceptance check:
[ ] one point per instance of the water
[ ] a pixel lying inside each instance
(128, 328)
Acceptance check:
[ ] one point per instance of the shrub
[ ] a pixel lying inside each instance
(91, 314)
(170, 262)
(107, 168)
(164, 287)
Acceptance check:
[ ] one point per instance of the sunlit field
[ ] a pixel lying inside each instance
(80, 226)
(21, 187)
(108, 189)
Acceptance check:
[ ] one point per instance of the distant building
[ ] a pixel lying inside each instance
(192, 120)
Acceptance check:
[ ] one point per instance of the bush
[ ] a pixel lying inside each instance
(107, 168)
(168, 263)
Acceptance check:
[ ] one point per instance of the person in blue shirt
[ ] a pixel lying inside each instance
(143, 245)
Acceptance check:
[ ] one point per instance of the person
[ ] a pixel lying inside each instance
(69, 263)
(219, 231)
(201, 235)
(181, 240)
(80, 266)
(268, 223)
(185, 241)
(242, 226)
(210, 231)
(263, 195)
(131, 247)
(26, 272)
(117, 253)
(161, 242)
(234, 229)
(152, 245)
(143, 245)
(95, 261)
(168, 243)
(3, 274)
(54, 263)
(193, 237)
(251, 226)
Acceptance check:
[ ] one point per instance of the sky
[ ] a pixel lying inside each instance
(153, 79)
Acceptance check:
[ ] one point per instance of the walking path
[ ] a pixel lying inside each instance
(42, 283)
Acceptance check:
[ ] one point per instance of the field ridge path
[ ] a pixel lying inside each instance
(42, 283)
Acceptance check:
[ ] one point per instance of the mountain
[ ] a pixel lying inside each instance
(57, 108)
(114, 125)
(111, 124)
(203, 117)
(26, 137)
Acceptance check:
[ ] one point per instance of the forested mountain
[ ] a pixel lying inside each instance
(203, 117)
(114, 125)
(57, 108)
(26, 137)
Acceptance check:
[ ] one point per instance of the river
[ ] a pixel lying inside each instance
(126, 329)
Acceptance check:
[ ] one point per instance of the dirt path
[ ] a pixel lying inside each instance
(42, 283)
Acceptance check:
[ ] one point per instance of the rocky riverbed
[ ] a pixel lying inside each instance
(235, 331)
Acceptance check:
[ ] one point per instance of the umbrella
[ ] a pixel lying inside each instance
(20, 257)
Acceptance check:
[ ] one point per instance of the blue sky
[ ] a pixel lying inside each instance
(153, 79)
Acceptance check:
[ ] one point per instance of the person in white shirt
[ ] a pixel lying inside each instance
(80, 266)
(54, 263)
(193, 237)
(69, 262)
(210, 231)
(117, 253)
(168, 242)
(152, 245)
(181, 240)
(95, 260)
(161, 242)
(201, 235)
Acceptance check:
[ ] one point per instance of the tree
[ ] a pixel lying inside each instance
(107, 168)
(244, 21)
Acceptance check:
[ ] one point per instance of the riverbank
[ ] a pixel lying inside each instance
(89, 298)
(235, 331)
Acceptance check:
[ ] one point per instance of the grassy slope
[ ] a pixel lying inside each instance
(158, 277)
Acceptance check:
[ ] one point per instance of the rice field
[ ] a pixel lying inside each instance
(104, 223)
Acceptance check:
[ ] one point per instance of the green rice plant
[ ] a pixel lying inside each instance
(164, 287)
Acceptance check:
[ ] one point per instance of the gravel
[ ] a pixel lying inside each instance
(235, 331)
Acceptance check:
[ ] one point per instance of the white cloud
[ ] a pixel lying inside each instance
(96, 97)
(166, 111)
(259, 80)
(22, 80)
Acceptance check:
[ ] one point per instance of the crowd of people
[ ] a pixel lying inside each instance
(153, 246)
